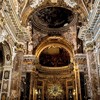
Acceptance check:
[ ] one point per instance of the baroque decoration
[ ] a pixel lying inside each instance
(55, 91)
(49, 49)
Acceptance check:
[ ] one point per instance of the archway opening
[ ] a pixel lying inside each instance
(1, 63)
(1, 54)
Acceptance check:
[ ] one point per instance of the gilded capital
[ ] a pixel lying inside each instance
(19, 47)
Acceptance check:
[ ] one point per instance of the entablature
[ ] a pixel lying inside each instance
(81, 61)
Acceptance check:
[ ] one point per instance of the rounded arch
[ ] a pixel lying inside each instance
(5, 58)
(25, 15)
(55, 41)
(1, 54)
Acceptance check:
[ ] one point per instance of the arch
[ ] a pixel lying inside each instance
(5, 58)
(1, 55)
(7, 53)
(1, 63)
(55, 42)
(25, 15)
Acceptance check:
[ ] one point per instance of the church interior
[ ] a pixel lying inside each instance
(49, 49)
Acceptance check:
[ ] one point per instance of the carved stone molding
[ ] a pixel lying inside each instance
(81, 61)
(29, 63)
(19, 47)
(55, 70)
(12, 20)
(90, 46)
(1, 4)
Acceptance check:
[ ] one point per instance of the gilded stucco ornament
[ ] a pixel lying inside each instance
(19, 47)
(55, 90)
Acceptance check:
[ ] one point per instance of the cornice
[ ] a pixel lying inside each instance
(80, 56)
(45, 76)
(89, 46)
(94, 14)
(13, 22)
(55, 70)
(80, 59)
(82, 32)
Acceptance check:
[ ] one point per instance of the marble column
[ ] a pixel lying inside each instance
(81, 64)
(92, 72)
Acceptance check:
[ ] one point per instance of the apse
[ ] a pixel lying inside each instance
(54, 57)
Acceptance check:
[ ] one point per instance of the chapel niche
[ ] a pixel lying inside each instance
(1, 63)
(1, 55)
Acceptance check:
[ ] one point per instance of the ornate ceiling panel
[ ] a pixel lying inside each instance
(77, 5)
(54, 17)
(52, 20)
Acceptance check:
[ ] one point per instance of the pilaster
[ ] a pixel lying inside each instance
(82, 67)
(92, 71)
(17, 73)
(6, 82)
